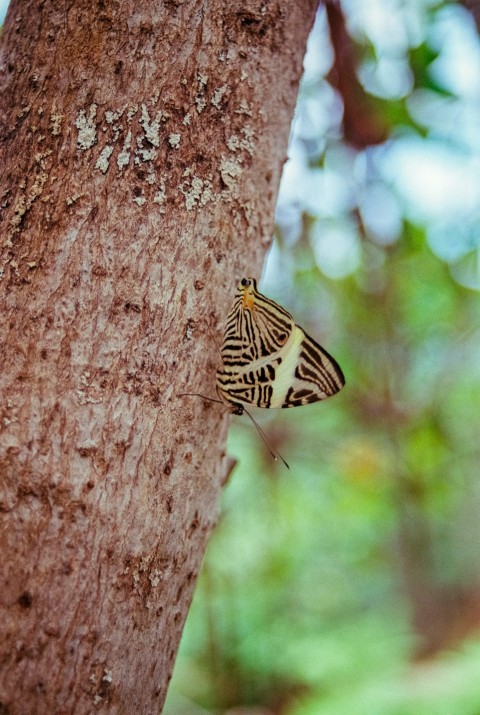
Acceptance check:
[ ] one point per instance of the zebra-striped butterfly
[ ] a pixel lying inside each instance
(268, 360)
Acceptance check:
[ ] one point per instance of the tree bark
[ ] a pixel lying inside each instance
(141, 150)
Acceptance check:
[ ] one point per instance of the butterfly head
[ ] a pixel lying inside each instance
(247, 289)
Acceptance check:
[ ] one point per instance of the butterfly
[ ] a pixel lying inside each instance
(270, 361)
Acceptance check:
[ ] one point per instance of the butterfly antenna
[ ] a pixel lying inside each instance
(274, 453)
(197, 394)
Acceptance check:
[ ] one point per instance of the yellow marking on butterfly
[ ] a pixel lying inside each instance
(248, 298)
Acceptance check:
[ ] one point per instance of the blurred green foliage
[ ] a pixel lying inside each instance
(351, 583)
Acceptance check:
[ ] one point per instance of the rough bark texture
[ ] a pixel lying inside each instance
(142, 145)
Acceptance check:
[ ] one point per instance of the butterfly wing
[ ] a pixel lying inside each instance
(306, 374)
(256, 327)
(268, 361)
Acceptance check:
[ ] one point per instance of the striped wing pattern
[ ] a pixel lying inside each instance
(268, 360)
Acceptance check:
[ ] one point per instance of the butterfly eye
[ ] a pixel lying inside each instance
(246, 282)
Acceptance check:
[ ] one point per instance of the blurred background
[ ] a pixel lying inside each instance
(350, 584)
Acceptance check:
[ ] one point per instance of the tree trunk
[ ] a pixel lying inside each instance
(142, 145)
